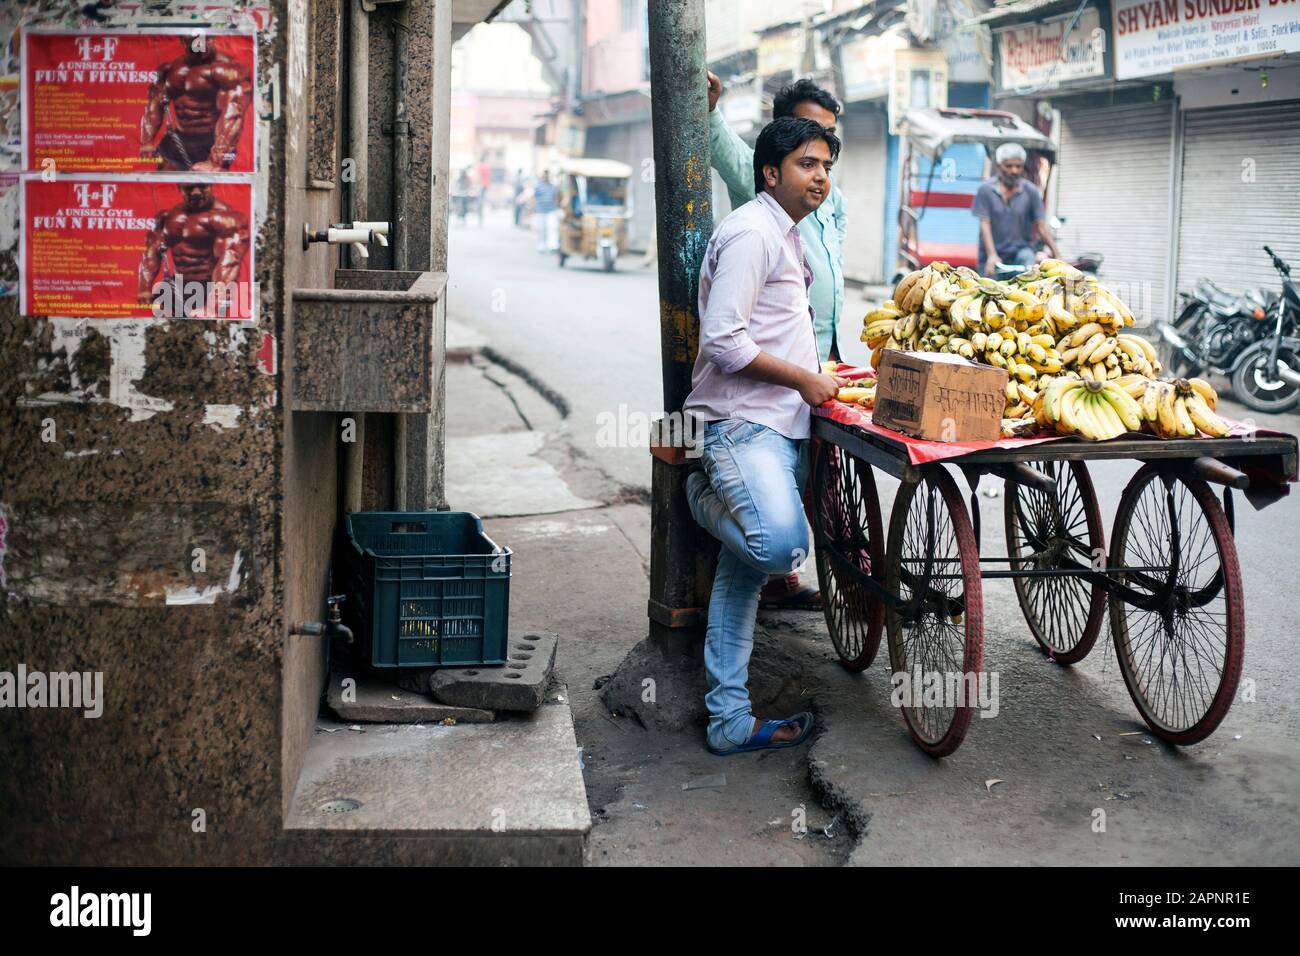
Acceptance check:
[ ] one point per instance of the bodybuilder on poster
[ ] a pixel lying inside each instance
(198, 104)
(207, 242)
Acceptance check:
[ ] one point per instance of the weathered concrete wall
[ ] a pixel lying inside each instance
(167, 436)
(311, 439)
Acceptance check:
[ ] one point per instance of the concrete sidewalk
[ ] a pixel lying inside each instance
(581, 568)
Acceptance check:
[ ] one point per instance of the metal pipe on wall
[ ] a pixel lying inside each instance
(358, 115)
(401, 251)
(401, 138)
(353, 465)
(358, 201)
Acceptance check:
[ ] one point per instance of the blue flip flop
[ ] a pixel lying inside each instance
(763, 739)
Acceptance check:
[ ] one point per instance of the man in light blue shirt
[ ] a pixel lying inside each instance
(822, 233)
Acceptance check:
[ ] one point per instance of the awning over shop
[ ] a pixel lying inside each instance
(933, 130)
(1017, 10)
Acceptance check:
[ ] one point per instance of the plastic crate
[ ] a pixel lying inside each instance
(428, 589)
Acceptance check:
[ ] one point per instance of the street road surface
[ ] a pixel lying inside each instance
(593, 337)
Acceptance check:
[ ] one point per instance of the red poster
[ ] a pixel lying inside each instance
(144, 101)
(161, 246)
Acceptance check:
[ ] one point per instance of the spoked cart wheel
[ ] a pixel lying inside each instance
(1177, 616)
(1057, 532)
(850, 550)
(937, 625)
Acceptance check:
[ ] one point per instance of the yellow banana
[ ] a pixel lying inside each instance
(1108, 417)
(1061, 316)
(1186, 428)
(1202, 388)
(1166, 417)
(1084, 332)
(1093, 344)
(1068, 408)
(943, 294)
(1106, 348)
(957, 311)
(1080, 410)
(904, 287)
(994, 317)
(1125, 407)
(1150, 398)
(1203, 417)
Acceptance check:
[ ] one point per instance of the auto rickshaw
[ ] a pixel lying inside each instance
(595, 204)
(946, 154)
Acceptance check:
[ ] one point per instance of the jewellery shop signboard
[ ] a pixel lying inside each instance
(1051, 53)
(1160, 36)
(136, 194)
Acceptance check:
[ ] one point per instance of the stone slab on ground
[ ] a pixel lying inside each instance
(463, 341)
(501, 474)
(519, 685)
(378, 701)
(509, 792)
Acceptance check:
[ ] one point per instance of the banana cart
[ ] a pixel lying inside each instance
(1169, 583)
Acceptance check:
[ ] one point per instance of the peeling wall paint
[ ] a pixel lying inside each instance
(192, 595)
(100, 526)
(127, 338)
(222, 416)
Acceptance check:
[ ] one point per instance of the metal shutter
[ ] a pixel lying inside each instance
(860, 174)
(1113, 192)
(1225, 220)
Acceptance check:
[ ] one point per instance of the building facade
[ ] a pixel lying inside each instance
(1179, 133)
(169, 497)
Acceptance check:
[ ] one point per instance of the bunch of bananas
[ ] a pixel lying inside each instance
(1099, 410)
(1052, 320)
(1090, 409)
(1181, 408)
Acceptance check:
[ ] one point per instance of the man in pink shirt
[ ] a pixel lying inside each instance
(755, 379)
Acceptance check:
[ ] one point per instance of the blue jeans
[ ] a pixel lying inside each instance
(751, 501)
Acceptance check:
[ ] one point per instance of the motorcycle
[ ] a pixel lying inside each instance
(1216, 332)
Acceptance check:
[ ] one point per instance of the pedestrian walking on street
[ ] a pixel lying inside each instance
(1011, 214)
(547, 214)
(756, 377)
(520, 184)
(823, 234)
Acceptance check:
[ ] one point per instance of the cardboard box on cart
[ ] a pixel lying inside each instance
(939, 397)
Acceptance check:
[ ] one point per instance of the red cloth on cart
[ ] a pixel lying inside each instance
(921, 452)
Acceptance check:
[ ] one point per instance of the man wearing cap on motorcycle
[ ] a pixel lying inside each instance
(1011, 214)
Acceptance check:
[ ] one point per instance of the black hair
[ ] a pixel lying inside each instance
(802, 91)
(783, 136)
